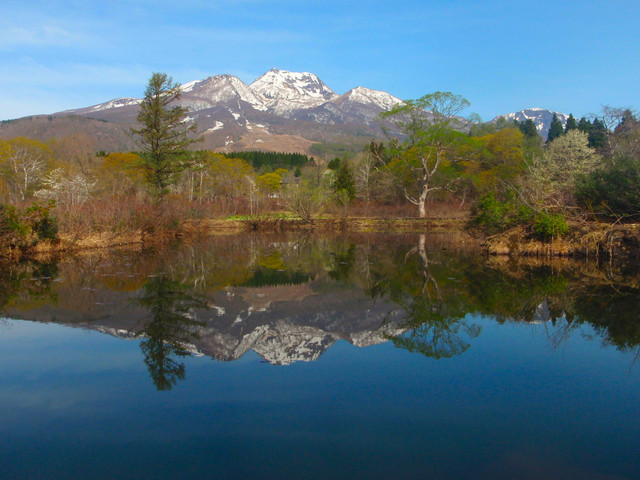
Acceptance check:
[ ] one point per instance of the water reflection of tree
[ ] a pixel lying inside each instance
(171, 328)
(434, 318)
(27, 284)
(613, 312)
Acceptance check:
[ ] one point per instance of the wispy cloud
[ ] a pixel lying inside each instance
(12, 38)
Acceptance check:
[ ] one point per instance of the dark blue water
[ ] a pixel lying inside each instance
(554, 396)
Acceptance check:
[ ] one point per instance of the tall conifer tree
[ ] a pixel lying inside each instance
(571, 124)
(555, 130)
(164, 133)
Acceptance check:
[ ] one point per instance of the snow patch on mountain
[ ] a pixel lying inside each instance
(219, 125)
(117, 103)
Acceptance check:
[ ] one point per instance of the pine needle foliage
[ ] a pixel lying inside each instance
(164, 133)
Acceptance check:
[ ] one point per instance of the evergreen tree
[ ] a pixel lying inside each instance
(528, 128)
(598, 135)
(555, 130)
(164, 133)
(334, 164)
(571, 124)
(584, 125)
(344, 181)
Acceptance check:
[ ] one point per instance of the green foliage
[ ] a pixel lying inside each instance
(598, 135)
(10, 222)
(164, 133)
(555, 129)
(344, 182)
(429, 152)
(564, 159)
(334, 164)
(492, 215)
(612, 190)
(546, 226)
(25, 228)
(528, 128)
(269, 182)
(271, 160)
(42, 223)
(571, 124)
(584, 125)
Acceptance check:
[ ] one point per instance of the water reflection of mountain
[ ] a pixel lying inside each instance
(292, 299)
(282, 323)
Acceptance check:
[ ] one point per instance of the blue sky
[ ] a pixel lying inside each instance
(503, 56)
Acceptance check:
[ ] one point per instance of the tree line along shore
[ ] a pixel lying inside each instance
(575, 193)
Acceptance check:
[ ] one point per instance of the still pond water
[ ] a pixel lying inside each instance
(318, 357)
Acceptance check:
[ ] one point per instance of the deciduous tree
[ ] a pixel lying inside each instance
(428, 126)
(564, 160)
(23, 162)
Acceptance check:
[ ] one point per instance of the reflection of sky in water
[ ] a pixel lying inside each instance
(82, 403)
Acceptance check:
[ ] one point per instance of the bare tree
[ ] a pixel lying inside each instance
(24, 164)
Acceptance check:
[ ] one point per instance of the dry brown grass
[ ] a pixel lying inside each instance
(583, 240)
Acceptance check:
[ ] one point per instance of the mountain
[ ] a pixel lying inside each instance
(208, 93)
(287, 92)
(359, 106)
(281, 110)
(541, 117)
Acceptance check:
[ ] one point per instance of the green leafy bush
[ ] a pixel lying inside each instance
(40, 221)
(547, 225)
(26, 228)
(493, 215)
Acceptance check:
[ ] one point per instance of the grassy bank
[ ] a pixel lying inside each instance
(148, 225)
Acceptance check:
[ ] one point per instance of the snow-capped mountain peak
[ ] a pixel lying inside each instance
(206, 93)
(372, 97)
(540, 116)
(283, 91)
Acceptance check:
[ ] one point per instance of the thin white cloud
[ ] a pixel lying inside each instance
(12, 38)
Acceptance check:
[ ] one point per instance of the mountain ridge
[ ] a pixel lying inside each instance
(280, 110)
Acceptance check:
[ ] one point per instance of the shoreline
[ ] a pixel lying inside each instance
(586, 240)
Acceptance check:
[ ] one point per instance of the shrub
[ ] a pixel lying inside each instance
(12, 230)
(613, 190)
(41, 222)
(493, 215)
(26, 228)
(547, 225)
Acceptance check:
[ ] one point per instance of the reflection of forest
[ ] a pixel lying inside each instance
(290, 298)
